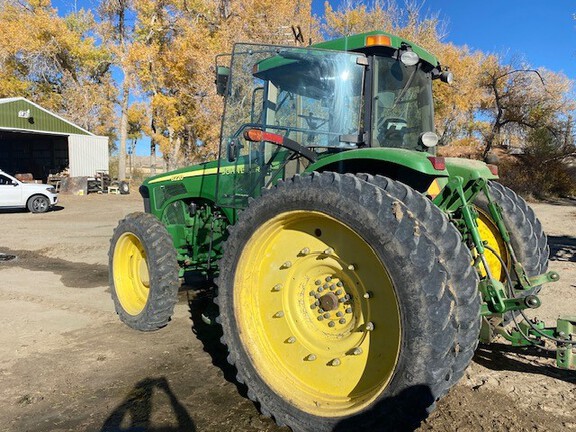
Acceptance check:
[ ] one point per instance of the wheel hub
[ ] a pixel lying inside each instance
(329, 301)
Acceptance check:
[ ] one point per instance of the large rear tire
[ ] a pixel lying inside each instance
(526, 235)
(337, 306)
(463, 278)
(143, 272)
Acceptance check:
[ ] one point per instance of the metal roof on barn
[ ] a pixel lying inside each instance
(20, 114)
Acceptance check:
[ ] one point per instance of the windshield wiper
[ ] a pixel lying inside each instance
(405, 88)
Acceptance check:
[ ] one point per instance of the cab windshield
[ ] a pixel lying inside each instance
(402, 105)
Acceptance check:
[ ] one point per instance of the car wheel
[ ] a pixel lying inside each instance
(38, 204)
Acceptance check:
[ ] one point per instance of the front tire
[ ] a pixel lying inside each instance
(143, 272)
(335, 308)
(38, 204)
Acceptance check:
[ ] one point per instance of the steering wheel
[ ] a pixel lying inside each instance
(391, 131)
(311, 121)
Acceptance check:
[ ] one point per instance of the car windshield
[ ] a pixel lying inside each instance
(402, 106)
(311, 96)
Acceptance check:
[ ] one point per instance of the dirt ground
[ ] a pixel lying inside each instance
(68, 364)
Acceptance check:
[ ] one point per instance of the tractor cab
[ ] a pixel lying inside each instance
(289, 107)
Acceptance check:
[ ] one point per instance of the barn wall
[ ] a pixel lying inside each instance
(88, 154)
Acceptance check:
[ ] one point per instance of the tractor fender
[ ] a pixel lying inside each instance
(410, 167)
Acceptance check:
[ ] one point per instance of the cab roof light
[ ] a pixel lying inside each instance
(438, 163)
(381, 40)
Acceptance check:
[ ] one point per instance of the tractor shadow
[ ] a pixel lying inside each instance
(200, 292)
(562, 248)
(500, 357)
(135, 411)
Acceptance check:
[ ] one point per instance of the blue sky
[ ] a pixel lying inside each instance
(541, 33)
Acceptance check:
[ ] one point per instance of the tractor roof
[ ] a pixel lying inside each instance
(365, 42)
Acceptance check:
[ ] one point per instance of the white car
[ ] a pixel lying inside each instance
(38, 198)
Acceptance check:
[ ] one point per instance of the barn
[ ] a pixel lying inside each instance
(35, 140)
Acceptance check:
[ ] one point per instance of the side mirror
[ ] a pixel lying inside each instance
(222, 75)
(15, 183)
(232, 150)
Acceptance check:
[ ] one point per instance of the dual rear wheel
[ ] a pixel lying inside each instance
(339, 306)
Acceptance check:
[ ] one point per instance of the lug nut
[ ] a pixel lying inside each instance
(369, 326)
(342, 321)
(279, 314)
(328, 251)
(311, 357)
(287, 264)
(320, 310)
(326, 315)
(335, 362)
(320, 289)
(338, 292)
(320, 317)
(357, 351)
(339, 314)
(277, 287)
(291, 340)
(328, 278)
(348, 310)
(331, 324)
(312, 293)
(351, 267)
(367, 295)
(347, 297)
(313, 305)
(332, 287)
(317, 281)
(305, 251)
(339, 284)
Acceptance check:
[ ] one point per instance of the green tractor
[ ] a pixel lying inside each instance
(355, 270)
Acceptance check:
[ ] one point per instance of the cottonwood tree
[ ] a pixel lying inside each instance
(56, 62)
(520, 99)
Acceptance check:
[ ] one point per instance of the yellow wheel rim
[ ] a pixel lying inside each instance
(131, 277)
(489, 233)
(317, 313)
